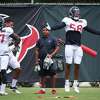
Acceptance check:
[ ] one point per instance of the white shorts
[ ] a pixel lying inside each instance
(4, 62)
(73, 53)
(13, 61)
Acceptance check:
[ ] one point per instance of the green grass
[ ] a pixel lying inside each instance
(28, 94)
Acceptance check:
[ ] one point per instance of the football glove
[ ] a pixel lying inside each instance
(47, 63)
(37, 68)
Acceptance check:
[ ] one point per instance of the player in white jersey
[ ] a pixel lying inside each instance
(74, 27)
(13, 62)
(5, 33)
(15, 65)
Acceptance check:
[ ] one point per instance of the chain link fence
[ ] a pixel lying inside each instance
(49, 1)
(14, 1)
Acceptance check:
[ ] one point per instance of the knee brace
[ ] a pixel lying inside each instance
(3, 76)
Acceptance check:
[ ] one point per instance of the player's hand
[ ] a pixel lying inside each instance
(47, 62)
(49, 56)
(37, 68)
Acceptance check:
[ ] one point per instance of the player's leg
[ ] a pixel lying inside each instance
(53, 83)
(0, 80)
(67, 77)
(42, 76)
(43, 73)
(4, 63)
(77, 61)
(69, 58)
(42, 82)
(76, 71)
(76, 76)
(16, 72)
(52, 72)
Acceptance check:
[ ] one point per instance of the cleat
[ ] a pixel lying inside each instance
(14, 89)
(40, 92)
(76, 87)
(67, 87)
(3, 93)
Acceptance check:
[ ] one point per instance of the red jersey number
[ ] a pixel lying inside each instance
(76, 27)
(1, 38)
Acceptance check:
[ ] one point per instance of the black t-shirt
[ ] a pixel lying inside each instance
(46, 46)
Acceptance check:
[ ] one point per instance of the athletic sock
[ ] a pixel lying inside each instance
(66, 81)
(3, 86)
(14, 82)
(76, 83)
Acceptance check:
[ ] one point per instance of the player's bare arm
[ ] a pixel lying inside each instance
(16, 38)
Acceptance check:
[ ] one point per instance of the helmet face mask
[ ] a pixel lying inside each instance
(1, 23)
(74, 13)
(2, 20)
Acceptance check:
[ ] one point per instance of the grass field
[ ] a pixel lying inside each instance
(28, 94)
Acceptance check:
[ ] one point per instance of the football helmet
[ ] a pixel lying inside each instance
(74, 13)
(2, 19)
(1, 22)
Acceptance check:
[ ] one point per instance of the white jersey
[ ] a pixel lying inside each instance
(4, 39)
(74, 29)
(72, 25)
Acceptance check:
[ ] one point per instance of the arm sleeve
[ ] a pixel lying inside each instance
(58, 26)
(89, 29)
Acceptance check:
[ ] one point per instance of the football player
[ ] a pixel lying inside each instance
(5, 33)
(74, 27)
(13, 63)
(46, 48)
